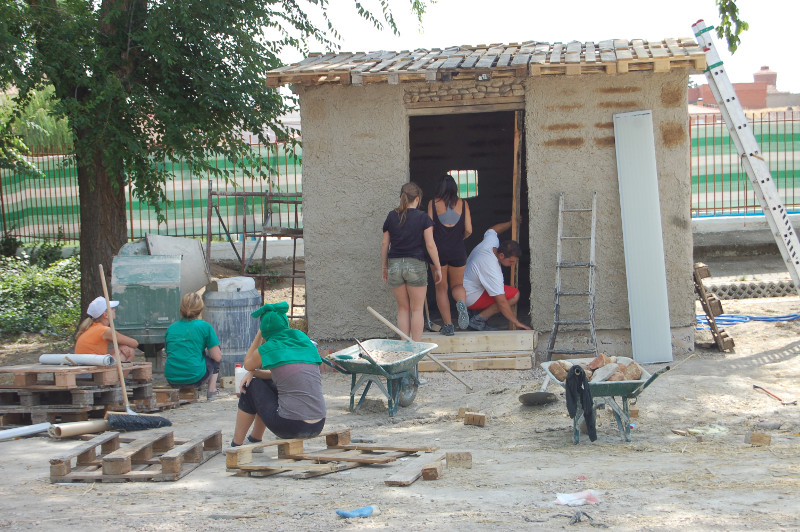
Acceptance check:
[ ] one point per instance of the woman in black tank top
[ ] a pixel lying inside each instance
(449, 238)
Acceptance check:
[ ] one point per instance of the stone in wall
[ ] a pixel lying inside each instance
(464, 90)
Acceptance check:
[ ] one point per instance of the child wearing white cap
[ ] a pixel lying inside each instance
(94, 333)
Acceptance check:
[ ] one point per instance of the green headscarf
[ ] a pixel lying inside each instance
(283, 345)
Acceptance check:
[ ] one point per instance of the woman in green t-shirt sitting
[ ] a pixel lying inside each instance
(192, 347)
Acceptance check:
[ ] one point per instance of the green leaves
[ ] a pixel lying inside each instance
(33, 298)
(730, 24)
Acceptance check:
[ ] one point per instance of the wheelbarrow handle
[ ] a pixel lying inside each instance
(407, 338)
(334, 365)
(647, 383)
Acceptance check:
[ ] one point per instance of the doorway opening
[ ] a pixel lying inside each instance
(484, 152)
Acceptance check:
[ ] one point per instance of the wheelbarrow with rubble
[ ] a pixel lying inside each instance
(604, 395)
(366, 367)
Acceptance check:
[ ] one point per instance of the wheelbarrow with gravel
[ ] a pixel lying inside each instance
(371, 361)
(604, 393)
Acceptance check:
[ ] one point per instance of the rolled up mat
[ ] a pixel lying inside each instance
(10, 434)
(77, 360)
(65, 430)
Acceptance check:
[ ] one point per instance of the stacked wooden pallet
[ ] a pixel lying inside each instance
(50, 393)
(155, 456)
(471, 350)
(164, 398)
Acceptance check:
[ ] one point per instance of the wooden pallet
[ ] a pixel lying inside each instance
(79, 396)
(31, 415)
(156, 456)
(161, 398)
(50, 377)
(338, 455)
(473, 361)
(712, 306)
(38, 405)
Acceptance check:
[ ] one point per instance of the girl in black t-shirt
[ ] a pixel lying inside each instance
(407, 234)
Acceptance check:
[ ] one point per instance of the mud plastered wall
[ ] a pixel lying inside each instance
(355, 159)
(570, 148)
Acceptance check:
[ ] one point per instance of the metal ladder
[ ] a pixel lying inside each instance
(749, 154)
(584, 291)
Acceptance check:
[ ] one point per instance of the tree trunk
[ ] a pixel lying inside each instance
(103, 229)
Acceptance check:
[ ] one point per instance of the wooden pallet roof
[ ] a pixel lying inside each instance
(493, 61)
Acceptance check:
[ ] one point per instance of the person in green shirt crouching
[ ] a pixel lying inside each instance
(282, 390)
(192, 347)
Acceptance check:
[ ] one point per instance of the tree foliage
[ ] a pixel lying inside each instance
(730, 24)
(143, 82)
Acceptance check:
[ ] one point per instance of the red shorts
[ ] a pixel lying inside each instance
(486, 300)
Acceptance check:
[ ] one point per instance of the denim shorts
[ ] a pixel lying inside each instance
(407, 270)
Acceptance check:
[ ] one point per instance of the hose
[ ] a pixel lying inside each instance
(734, 319)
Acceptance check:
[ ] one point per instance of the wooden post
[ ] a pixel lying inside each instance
(515, 194)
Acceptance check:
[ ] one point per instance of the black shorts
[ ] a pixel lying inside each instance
(455, 263)
(212, 367)
(261, 398)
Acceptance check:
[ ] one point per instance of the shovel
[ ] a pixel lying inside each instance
(538, 398)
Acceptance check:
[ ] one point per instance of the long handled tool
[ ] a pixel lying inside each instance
(405, 337)
(756, 387)
(433, 327)
(131, 421)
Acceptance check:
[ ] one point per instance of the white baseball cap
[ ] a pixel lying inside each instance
(98, 307)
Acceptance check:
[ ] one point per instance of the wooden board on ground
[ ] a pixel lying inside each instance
(153, 456)
(292, 456)
(412, 470)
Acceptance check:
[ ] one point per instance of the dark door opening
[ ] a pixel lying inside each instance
(477, 149)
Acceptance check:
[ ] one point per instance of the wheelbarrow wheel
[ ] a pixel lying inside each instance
(408, 391)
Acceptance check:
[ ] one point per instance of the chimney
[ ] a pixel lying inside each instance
(765, 75)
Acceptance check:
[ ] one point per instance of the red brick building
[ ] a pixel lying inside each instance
(762, 93)
(751, 95)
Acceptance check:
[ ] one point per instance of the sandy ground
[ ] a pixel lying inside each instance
(523, 457)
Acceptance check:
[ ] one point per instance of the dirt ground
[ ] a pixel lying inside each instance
(522, 458)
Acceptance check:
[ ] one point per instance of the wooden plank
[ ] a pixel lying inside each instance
(345, 457)
(411, 471)
(483, 342)
(486, 61)
(120, 461)
(85, 453)
(432, 69)
(472, 59)
(192, 451)
(555, 54)
(365, 447)
(452, 62)
(243, 454)
(498, 363)
(590, 53)
(485, 355)
(424, 60)
(485, 105)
